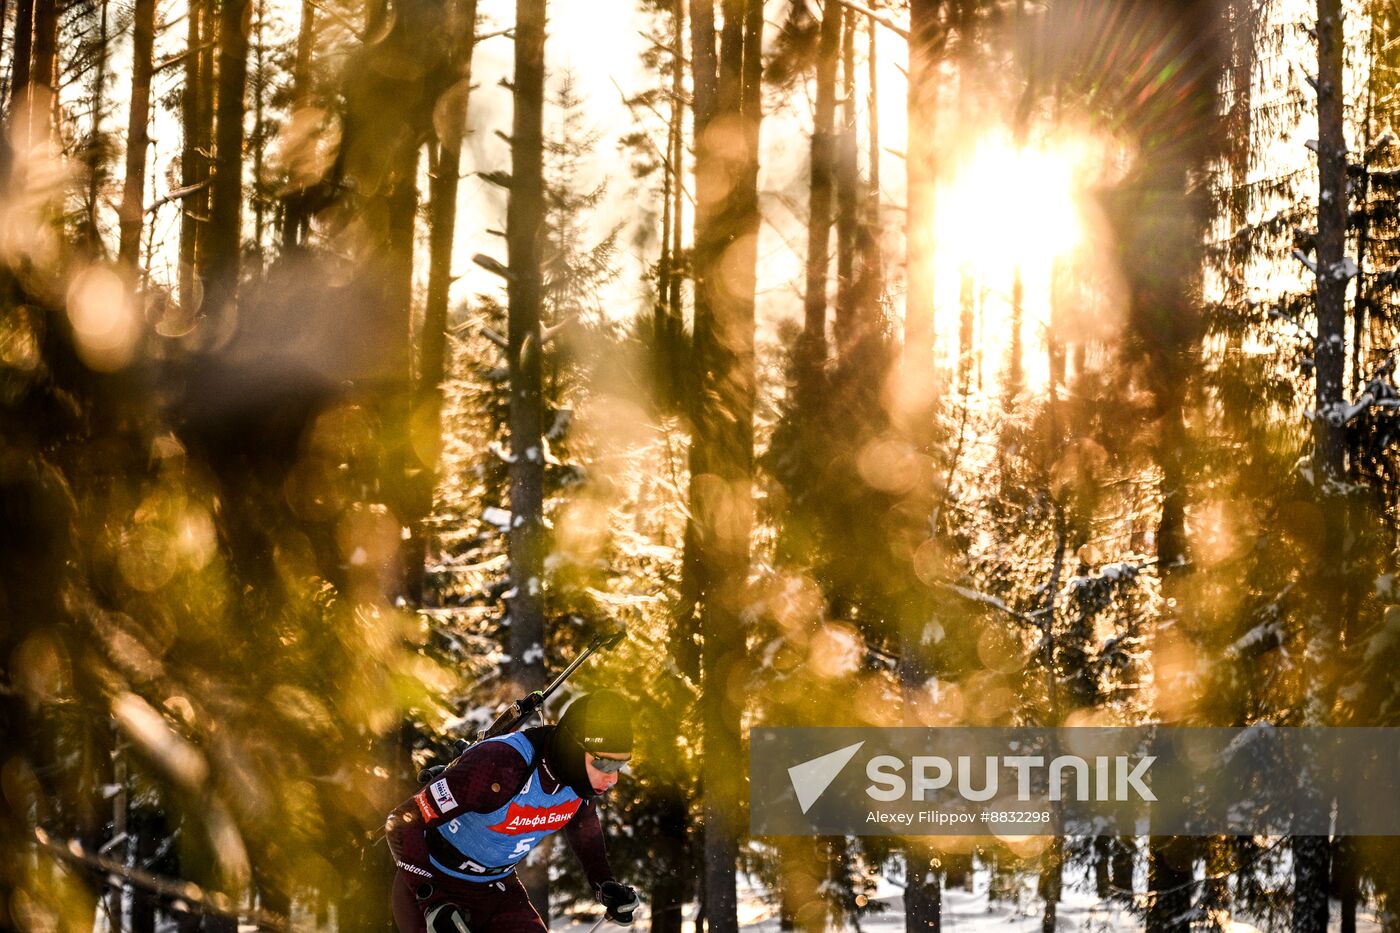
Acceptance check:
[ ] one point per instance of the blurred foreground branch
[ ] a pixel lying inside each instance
(199, 900)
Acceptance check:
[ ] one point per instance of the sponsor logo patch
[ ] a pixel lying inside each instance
(520, 820)
(442, 796)
(413, 869)
(425, 806)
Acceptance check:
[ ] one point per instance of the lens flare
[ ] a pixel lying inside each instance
(1011, 205)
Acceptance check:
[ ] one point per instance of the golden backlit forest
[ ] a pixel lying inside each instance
(888, 363)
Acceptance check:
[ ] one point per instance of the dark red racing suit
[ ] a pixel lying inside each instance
(483, 780)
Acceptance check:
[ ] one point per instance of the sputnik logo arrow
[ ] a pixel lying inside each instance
(811, 778)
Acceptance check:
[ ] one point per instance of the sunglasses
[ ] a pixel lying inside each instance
(608, 765)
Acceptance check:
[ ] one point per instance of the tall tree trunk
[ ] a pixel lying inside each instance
(812, 349)
(967, 302)
(445, 172)
(1362, 299)
(1015, 372)
(870, 282)
(294, 217)
(1330, 349)
(42, 81)
(873, 134)
(667, 318)
(1169, 875)
(674, 882)
(822, 185)
(1311, 854)
(1161, 210)
(670, 882)
(704, 77)
(1346, 882)
(5, 18)
(96, 160)
(525, 219)
(147, 824)
(258, 141)
(200, 203)
(1051, 882)
(726, 253)
(923, 895)
(1170, 859)
(133, 210)
(224, 231)
(925, 48)
(675, 311)
(1239, 127)
(191, 168)
(22, 52)
(847, 193)
(661, 306)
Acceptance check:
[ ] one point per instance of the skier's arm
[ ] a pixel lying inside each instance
(585, 835)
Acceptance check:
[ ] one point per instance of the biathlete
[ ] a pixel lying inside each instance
(457, 841)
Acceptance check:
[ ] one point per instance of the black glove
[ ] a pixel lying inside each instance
(620, 901)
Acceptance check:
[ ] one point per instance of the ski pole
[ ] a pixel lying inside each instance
(599, 922)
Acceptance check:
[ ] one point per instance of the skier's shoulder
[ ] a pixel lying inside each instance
(513, 751)
(485, 775)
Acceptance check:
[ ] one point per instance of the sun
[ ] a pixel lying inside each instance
(1009, 219)
(1007, 206)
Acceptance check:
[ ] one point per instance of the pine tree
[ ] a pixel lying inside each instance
(193, 178)
(923, 897)
(133, 207)
(43, 79)
(726, 232)
(524, 220)
(294, 212)
(21, 51)
(445, 167)
(225, 228)
(823, 159)
(1311, 854)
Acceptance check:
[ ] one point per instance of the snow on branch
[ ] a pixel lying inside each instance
(883, 20)
(1346, 269)
(1379, 393)
(986, 599)
(494, 266)
(548, 333)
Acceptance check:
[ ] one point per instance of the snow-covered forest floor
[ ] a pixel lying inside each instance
(970, 911)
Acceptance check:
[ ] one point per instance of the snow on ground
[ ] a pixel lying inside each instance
(968, 911)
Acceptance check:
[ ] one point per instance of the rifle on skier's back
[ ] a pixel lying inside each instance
(519, 712)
